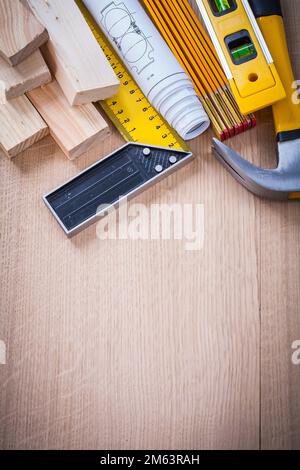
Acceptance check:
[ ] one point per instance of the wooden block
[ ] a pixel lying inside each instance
(20, 32)
(29, 74)
(73, 54)
(20, 126)
(76, 129)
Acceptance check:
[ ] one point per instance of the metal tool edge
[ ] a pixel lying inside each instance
(129, 196)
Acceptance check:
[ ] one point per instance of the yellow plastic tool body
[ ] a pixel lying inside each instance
(254, 83)
(286, 112)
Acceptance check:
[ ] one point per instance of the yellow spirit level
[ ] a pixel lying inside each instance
(243, 53)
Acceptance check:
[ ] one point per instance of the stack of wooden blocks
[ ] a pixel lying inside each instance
(52, 70)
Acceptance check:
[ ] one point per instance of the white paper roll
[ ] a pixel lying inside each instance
(152, 64)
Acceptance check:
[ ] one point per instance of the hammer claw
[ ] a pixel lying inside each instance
(279, 183)
(283, 182)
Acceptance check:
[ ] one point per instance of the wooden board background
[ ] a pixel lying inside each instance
(141, 344)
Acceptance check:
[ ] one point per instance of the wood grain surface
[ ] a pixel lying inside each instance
(29, 74)
(76, 129)
(20, 126)
(20, 32)
(73, 54)
(141, 344)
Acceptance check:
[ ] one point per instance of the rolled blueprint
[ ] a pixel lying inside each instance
(152, 64)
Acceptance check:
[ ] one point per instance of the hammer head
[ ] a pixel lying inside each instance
(281, 183)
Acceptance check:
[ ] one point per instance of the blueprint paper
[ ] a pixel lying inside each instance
(151, 63)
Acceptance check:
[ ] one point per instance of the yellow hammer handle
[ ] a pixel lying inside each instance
(286, 112)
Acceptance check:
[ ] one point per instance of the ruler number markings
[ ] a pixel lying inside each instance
(148, 122)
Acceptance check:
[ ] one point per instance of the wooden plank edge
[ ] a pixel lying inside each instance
(96, 132)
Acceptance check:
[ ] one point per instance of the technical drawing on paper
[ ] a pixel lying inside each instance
(124, 31)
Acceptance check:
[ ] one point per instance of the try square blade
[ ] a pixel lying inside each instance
(122, 174)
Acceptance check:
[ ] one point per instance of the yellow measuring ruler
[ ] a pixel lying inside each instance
(129, 110)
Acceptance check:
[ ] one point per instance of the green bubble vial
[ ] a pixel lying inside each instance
(242, 52)
(222, 5)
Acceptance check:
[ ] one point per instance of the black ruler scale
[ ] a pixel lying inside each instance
(122, 174)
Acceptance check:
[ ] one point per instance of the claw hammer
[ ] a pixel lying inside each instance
(283, 182)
